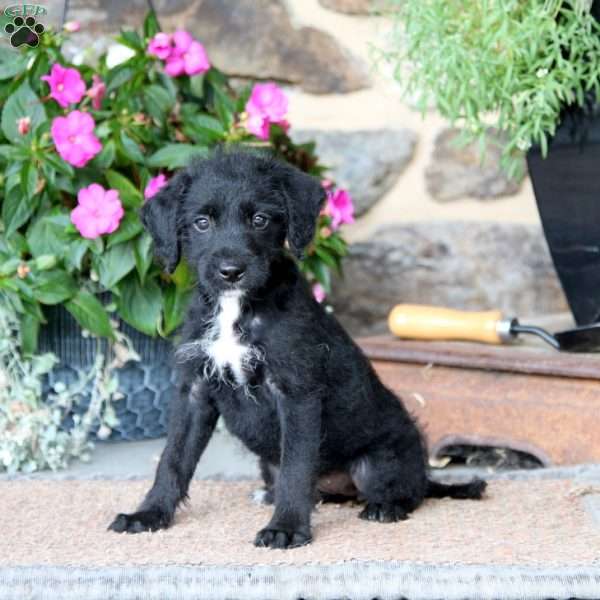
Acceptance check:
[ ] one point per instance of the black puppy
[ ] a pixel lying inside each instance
(258, 350)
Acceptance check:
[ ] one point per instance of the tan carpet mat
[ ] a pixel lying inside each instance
(541, 523)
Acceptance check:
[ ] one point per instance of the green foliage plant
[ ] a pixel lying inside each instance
(512, 64)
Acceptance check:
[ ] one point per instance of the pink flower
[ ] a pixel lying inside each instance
(154, 185)
(23, 125)
(319, 292)
(187, 56)
(96, 92)
(268, 100)
(339, 207)
(66, 85)
(267, 104)
(259, 126)
(72, 26)
(160, 45)
(326, 232)
(74, 138)
(98, 211)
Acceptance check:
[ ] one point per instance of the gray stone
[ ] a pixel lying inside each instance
(467, 265)
(253, 39)
(108, 16)
(256, 39)
(367, 163)
(456, 171)
(351, 7)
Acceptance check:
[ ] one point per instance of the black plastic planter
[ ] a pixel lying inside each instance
(567, 191)
(147, 385)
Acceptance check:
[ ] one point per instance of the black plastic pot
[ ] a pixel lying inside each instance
(567, 192)
(147, 385)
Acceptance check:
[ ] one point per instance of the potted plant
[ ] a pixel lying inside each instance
(88, 311)
(532, 70)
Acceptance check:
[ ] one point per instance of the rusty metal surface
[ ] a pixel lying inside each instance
(538, 402)
(512, 358)
(554, 418)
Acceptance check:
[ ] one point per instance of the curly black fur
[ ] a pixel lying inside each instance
(305, 400)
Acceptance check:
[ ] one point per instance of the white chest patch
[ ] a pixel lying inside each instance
(222, 342)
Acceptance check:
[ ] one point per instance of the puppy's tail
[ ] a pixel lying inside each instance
(461, 491)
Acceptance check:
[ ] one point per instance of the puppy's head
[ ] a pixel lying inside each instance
(230, 215)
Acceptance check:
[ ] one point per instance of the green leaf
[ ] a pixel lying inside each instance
(182, 275)
(114, 264)
(129, 227)
(52, 287)
(224, 105)
(157, 101)
(131, 39)
(175, 302)
(9, 266)
(22, 103)
(142, 248)
(16, 209)
(30, 327)
(39, 68)
(11, 63)
(140, 305)
(326, 257)
(209, 123)
(106, 157)
(118, 76)
(130, 196)
(131, 149)
(197, 85)
(29, 179)
(58, 164)
(48, 234)
(169, 86)
(90, 314)
(7, 152)
(320, 271)
(204, 129)
(175, 156)
(44, 262)
(151, 25)
(74, 257)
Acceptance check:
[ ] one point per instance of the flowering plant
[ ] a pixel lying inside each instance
(82, 148)
(511, 64)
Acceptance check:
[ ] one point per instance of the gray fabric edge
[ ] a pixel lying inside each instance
(354, 580)
(582, 472)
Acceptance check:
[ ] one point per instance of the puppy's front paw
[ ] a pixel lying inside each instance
(271, 537)
(383, 513)
(143, 520)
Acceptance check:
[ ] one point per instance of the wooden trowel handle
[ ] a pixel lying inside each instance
(435, 323)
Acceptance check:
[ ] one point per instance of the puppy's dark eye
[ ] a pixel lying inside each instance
(260, 221)
(202, 224)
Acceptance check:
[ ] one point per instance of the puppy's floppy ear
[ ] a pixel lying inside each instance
(160, 217)
(304, 196)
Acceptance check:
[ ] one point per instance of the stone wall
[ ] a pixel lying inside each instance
(457, 232)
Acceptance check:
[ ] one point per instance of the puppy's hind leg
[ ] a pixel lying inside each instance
(392, 480)
(192, 420)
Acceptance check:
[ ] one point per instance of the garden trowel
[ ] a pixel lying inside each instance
(435, 323)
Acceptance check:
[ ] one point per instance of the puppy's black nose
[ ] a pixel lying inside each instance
(231, 273)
